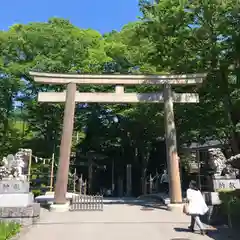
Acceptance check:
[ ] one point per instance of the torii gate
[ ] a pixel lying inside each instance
(119, 96)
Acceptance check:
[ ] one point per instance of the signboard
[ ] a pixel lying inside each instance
(221, 184)
(13, 186)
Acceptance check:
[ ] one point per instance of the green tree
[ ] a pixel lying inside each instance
(199, 37)
(55, 46)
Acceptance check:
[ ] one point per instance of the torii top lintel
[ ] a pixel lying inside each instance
(118, 79)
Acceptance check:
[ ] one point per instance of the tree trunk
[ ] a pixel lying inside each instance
(228, 107)
(145, 158)
(144, 186)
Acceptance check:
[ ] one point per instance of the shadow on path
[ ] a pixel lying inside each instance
(215, 234)
(147, 204)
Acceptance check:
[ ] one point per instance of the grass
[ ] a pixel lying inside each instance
(8, 230)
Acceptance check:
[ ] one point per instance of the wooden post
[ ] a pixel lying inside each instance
(74, 180)
(80, 185)
(29, 165)
(65, 147)
(52, 174)
(171, 147)
(85, 188)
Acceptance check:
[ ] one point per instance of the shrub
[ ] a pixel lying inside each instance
(36, 192)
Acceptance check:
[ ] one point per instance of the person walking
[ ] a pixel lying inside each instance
(196, 206)
(165, 181)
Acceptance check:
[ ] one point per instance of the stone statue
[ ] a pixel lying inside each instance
(10, 160)
(217, 160)
(12, 167)
(20, 166)
(4, 169)
(219, 163)
(5, 162)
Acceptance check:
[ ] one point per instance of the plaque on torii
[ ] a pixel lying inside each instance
(71, 96)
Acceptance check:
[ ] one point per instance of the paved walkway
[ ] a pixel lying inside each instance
(116, 222)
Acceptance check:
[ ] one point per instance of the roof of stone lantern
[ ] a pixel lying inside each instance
(206, 145)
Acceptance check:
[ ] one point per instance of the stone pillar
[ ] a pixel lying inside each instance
(171, 147)
(65, 147)
(129, 180)
(150, 184)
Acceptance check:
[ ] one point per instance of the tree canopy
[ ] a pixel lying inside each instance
(172, 36)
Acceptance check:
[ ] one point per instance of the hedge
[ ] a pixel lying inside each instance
(231, 206)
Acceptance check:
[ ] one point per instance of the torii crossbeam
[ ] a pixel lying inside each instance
(119, 96)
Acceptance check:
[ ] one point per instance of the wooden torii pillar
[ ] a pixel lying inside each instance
(71, 96)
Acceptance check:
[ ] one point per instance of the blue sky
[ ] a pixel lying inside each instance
(101, 15)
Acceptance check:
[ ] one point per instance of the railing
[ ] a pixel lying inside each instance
(86, 203)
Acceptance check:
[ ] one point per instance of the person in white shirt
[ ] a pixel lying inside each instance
(165, 181)
(196, 206)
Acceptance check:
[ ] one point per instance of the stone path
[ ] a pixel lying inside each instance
(118, 222)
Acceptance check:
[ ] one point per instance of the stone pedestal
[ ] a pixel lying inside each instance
(176, 207)
(212, 198)
(227, 183)
(14, 186)
(17, 203)
(60, 207)
(16, 199)
(24, 215)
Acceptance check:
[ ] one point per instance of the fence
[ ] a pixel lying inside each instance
(86, 203)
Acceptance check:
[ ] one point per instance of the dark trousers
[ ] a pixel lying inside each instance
(196, 219)
(165, 187)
